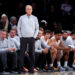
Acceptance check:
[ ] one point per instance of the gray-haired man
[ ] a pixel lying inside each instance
(28, 28)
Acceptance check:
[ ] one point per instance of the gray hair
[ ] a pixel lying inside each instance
(28, 6)
(12, 18)
(6, 25)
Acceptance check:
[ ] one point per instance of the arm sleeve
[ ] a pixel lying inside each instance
(44, 44)
(3, 49)
(16, 42)
(38, 50)
(11, 44)
(70, 43)
(36, 28)
(19, 27)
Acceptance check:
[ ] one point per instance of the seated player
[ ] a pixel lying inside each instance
(68, 41)
(4, 48)
(42, 47)
(57, 42)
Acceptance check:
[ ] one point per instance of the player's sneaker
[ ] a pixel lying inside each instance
(67, 68)
(61, 68)
(53, 69)
(73, 65)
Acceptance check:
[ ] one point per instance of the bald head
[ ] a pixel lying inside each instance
(27, 6)
(28, 10)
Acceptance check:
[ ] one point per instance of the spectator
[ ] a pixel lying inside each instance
(66, 8)
(13, 22)
(4, 22)
(43, 24)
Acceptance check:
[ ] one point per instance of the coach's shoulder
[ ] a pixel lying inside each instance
(34, 16)
(22, 16)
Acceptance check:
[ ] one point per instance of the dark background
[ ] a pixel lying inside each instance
(42, 9)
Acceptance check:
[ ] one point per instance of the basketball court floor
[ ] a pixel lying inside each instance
(46, 73)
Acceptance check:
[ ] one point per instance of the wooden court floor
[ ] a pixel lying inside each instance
(46, 73)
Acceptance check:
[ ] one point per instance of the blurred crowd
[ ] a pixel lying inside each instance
(55, 12)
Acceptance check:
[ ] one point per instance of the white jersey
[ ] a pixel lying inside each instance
(57, 42)
(74, 42)
(44, 40)
(68, 42)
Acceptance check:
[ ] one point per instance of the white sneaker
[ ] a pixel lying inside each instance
(61, 68)
(73, 65)
(67, 68)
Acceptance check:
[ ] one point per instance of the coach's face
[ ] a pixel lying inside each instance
(28, 10)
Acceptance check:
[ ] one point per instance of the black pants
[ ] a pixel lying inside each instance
(3, 57)
(27, 61)
(31, 46)
(12, 60)
(40, 59)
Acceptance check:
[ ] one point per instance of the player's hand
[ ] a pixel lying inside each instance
(45, 51)
(52, 47)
